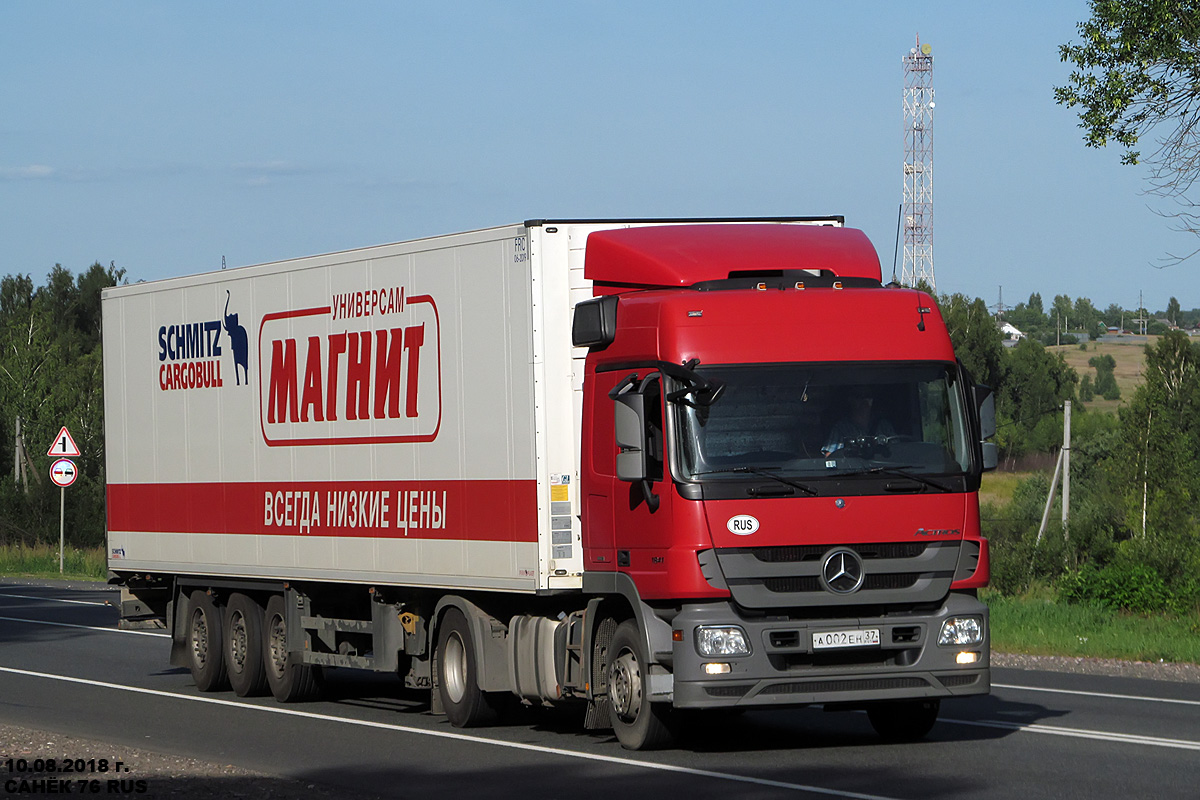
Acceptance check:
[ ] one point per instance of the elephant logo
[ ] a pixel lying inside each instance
(239, 342)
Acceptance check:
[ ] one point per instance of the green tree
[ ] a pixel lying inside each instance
(50, 375)
(1086, 391)
(1114, 315)
(1173, 311)
(1033, 386)
(1087, 317)
(1106, 379)
(1137, 70)
(1159, 439)
(975, 336)
(1029, 317)
(1062, 312)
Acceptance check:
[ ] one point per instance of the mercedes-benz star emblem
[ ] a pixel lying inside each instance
(843, 572)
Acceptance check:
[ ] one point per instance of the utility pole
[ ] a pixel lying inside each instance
(1061, 467)
(1066, 457)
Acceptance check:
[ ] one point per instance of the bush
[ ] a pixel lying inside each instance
(1125, 587)
(1086, 392)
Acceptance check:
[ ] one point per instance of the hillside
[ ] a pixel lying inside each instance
(1128, 352)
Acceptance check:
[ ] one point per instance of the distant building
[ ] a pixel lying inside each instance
(1011, 331)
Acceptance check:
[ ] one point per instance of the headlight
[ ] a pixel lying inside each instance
(727, 640)
(961, 630)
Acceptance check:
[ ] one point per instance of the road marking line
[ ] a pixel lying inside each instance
(1079, 733)
(54, 599)
(628, 762)
(1097, 694)
(85, 627)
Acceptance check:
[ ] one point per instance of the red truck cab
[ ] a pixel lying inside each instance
(780, 466)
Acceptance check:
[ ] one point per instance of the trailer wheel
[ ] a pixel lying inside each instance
(205, 643)
(638, 723)
(464, 702)
(904, 720)
(289, 683)
(244, 646)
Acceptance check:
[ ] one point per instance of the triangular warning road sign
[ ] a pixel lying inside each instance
(64, 445)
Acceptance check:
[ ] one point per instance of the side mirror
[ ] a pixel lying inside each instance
(629, 418)
(595, 322)
(991, 456)
(985, 400)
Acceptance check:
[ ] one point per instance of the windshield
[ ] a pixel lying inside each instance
(814, 420)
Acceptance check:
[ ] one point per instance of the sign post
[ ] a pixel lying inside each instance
(63, 473)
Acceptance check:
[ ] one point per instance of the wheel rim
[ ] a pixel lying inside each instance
(454, 667)
(199, 638)
(277, 644)
(237, 641)
(625, 686)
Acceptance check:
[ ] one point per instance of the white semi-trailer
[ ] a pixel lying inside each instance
(555, 461)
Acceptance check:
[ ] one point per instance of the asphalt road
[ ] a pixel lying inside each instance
(65, 668)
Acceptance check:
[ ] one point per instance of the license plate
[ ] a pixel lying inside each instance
(860, 638)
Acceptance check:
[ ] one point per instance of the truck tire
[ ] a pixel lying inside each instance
(289, 683)
(205, 643)
(244, 646)
(638, 723)
(904, 720)
(464, 702)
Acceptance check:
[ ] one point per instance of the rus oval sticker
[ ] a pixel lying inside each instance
(742, 525)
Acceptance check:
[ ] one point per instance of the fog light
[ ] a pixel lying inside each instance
(716, 669)
(723, 640)
(967, 658)
(961, 630)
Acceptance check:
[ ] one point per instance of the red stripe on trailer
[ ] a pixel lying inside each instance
(494, 511)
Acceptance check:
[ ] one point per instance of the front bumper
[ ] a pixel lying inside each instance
(784, 670)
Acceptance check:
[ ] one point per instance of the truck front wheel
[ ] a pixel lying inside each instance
(638, 723)
(458, 684)
(289, 682)
(244, 646)
(205, 643)
(904, 720)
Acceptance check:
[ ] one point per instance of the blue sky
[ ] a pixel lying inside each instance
(163, 136)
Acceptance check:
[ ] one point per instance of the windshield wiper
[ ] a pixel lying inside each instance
(901, 472)
(766, 473)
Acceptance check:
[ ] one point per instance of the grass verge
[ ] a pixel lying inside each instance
(41, 561)
(1044, 627)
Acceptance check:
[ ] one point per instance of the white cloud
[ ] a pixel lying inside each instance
(31, 172)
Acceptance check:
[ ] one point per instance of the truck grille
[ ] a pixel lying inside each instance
(808, 583)
(790, 576)
(811, 552)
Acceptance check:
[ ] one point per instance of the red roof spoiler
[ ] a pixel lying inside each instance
(680, 255)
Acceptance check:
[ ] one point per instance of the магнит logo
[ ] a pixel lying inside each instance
(190, 353)
(364, 369)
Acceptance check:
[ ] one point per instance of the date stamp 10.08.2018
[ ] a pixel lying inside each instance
(43, 776)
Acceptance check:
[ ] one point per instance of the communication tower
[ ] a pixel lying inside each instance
(918, 166)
